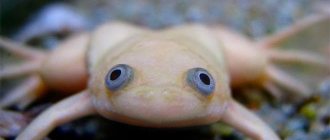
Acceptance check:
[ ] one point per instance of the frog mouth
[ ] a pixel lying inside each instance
(150, 106)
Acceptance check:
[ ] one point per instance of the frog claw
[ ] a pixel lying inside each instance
(274, 90)
(305, 57)
(25, 93)
(282, 79)
(20, 50)
(19, 70)
(33, 57)
(287, 33)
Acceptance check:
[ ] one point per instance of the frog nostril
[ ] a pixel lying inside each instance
(115, 74)
(204, 78)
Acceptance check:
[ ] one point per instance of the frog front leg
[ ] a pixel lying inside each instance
(69, 109)
(245, 121)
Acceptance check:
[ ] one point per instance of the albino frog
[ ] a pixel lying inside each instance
(175, 77)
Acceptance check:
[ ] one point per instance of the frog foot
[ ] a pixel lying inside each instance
(32, 86)
(298, 56)
(298, 72)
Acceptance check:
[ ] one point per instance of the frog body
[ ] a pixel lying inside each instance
(175, 77)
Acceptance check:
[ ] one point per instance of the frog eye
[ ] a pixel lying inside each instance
(201, 80)
(118, 76)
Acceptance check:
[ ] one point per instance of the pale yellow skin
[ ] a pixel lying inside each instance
(158, 95)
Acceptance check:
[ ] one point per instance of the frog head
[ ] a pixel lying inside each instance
(158, 82)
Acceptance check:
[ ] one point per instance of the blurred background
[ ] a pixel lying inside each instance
(45, 23)
(23, 19)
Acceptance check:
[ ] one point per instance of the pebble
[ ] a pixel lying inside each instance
(325, 134)
(309, 111)
(324, 88)
(298, 124)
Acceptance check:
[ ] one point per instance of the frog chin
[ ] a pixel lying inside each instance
(161, 107)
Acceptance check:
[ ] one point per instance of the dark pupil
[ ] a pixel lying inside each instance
(115, 74)
(204, 78)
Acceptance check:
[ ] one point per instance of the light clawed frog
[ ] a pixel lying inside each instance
(170, 78)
